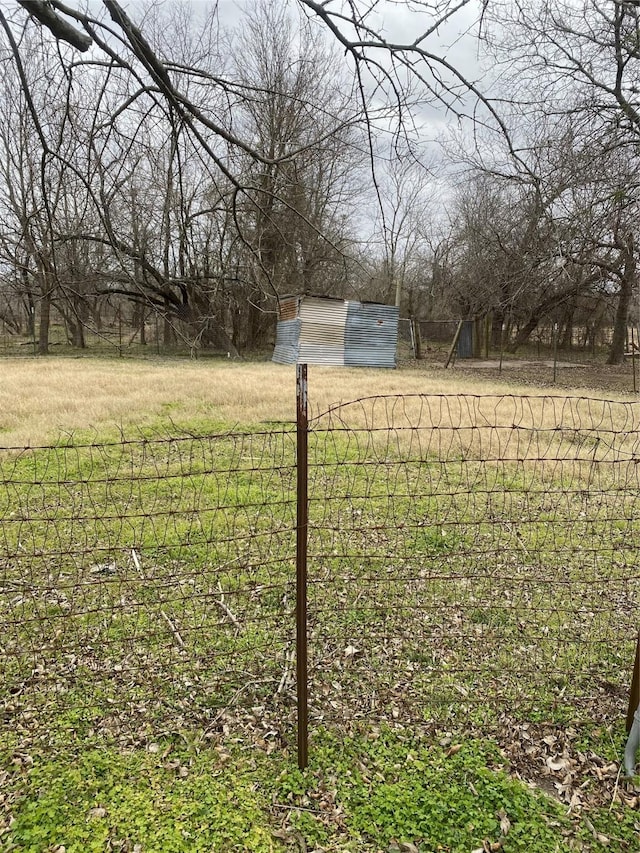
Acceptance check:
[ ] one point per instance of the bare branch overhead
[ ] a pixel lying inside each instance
(60, 28)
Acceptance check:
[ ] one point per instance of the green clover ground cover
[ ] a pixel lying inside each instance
(382, 792)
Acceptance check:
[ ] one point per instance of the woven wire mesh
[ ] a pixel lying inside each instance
(472, 554)
(466, 555)
(145, 585)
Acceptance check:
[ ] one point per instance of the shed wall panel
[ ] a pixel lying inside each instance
(287, 342)
(321, 354)
(465, 341)
(371, 335)
(322, 333)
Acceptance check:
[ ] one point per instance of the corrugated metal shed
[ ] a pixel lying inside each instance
(322, 330)
(287, 342)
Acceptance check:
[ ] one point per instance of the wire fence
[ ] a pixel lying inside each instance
(115, 337)
(581, 343)
(145, 585)
(472, 561)
(474, 557)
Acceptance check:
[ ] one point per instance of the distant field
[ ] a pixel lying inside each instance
(43, 398)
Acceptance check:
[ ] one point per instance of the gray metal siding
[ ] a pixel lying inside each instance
(287, 342)
(371, 335)
(465, 341)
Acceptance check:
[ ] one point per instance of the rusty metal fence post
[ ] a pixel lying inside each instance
(302, 434)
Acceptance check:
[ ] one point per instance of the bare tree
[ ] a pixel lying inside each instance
(402, 223)
(42, 193)
(295, 217)
(582, 57)
(578, 64)
(214, 112)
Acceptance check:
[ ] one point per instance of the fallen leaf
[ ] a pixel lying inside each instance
(505, 823)
(556, 764)
(97, 812)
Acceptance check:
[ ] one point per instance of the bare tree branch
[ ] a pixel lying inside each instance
(61, 29)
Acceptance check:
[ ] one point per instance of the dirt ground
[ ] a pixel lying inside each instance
(595, 375)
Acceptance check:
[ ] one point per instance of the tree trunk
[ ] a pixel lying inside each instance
(78, 334)
(139, 321)
(616, 353)
(45, 319)
(31, 316)
(168, 333)
(524, 333)
(566, 341)
(417, 337)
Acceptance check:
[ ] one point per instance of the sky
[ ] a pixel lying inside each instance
(401, 22)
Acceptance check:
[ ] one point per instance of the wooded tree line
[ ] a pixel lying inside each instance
(179, 164)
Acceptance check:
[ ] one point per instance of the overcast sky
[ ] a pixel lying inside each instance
(456, 40)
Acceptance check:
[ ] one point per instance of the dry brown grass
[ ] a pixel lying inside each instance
(41, 399)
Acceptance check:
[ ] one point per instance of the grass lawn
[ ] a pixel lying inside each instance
(472, 611)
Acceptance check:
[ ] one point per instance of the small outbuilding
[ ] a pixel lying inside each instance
(326, 330)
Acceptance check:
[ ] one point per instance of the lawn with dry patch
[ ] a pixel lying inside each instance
(472, 601)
